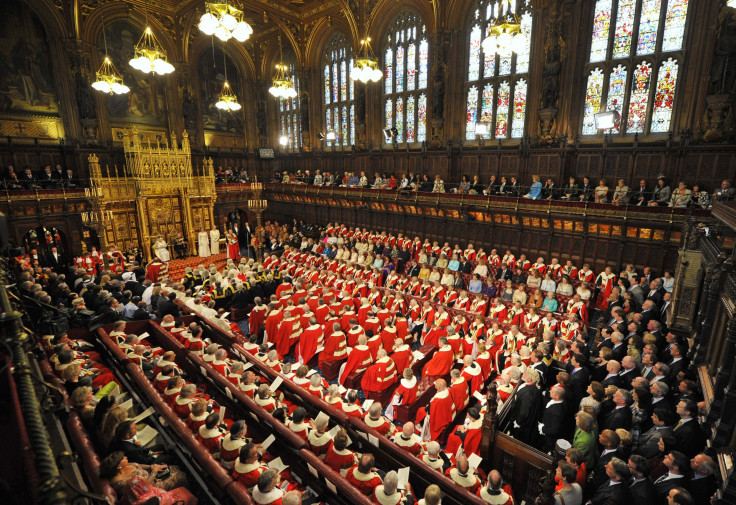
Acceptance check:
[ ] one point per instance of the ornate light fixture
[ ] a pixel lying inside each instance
(224, 22)
(282, 87)
(149, 56)
(506, 36)
(731, 3)
(366, 67)
(108, 78)
(227, 100)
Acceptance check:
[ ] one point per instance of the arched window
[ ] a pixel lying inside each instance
(290, 108)
(406, 65)
(338, 105)
(496, 87)
(635, 55)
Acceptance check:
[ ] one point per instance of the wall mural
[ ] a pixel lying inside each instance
(26, 82)
(145, 103)
(211, 78)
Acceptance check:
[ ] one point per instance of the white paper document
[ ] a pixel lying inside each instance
(275, 384)
(474, 460)
(146, 435)
(267, 443)
(403, 477)
(278, 465)
(140, 417)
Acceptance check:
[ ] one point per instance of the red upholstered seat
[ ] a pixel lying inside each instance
(331, 369)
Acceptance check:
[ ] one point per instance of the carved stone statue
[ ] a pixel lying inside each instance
(85, 99)
(438, 95)
(261, 114)
(551, 78)
(189, 109)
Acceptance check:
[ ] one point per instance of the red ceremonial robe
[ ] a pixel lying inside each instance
(256, 319)
(335, 349)
(474, 374)
(440, 364)
(459, 394)
(470, 442)
(358, 360)
(402, 358)
(379, 376)
(310, 339)
(408, 391)
(441, 413)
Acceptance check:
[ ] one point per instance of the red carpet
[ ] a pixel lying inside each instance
(176, 267)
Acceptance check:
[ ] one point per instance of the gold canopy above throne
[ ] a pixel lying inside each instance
(158, 193)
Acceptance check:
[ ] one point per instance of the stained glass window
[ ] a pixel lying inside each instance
(674, 25)
(339, 90)
(641, 90)
(639, 98)
(474, 60)
(410, 119)
(422, 118)
(406, 67)
(504, 110)
(472, 113)
(624, 28)
(593, 93)
(664, 97)
(601, 25)
(616, 93)
(517, 122)
(290, 109)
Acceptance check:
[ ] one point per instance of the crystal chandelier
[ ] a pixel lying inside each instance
(149, 56)
(731, 3)
(224, 22)
(282, 86)
(366, 68)
(108, 78)
(506, 36)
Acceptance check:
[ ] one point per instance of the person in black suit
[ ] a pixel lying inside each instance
(540, 366)
(519, 276)
(466, 267)
(504, 273)
(413, 269)
(614, 491)
(141, 313)
(578, 379)
(679, 361)
(620, 416)
(48, 181)
(628, 372)
(678, 467)
(641, 487)
(553, 425)
(619, 348)
(512, 189)
(501, 189)
(125, 442)
(656, 292)
(55, 260)
(571, 191)
(107, 311)
(612, 379)
(703, 484)
(642, 195)
(585, 193)
(168, 306)
(689, 436)
(525, 408)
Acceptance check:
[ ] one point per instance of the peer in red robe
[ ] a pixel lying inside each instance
(441, 410)
(380, 375)
(156, 270)
(273, 319)
(310, 339)
(335, 348)
(358, 360)
(473, 373)
(441, 362)
(402, 357)
(458, 390)
(256, 318)
(467, 435)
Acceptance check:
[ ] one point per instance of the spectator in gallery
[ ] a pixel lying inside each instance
(662, 193)
(464, 186)
(700, 198)
(571, 191)
(535, 192)
(601, 192)
(586, 190)
(681, 196)
(725, 193)
(642, 195)
(621, 193)
(439, 185)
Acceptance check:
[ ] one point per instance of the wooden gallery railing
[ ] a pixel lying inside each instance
(529, 471)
